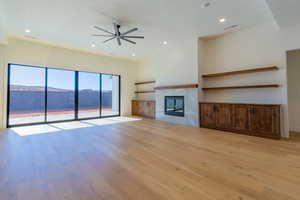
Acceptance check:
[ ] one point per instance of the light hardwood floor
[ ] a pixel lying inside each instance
(147, 160)
(295, 136)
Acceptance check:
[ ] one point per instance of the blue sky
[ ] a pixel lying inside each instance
(64, 79)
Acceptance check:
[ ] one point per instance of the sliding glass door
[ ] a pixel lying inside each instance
(110, 95)
(39, 95)
(60, 95)
(88, 95)
(26, 95)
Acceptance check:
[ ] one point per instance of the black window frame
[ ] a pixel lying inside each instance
(76, 96)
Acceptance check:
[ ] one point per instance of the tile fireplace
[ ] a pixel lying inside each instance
(177, 105)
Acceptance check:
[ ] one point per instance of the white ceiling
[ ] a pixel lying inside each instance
(286, 12)
(70, 22)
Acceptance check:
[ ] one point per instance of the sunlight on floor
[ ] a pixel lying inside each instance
(33, 130)
(70, 125)
(105, 121)
(56, 127)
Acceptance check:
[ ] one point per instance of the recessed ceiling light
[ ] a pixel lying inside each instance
(93, 45)
(133, 54)
(165, 42)
(27, 30)
(222, 20)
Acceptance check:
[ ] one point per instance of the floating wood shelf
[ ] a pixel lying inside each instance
(242, 87)
(176, 87)
(145, 82)
(241, 72)
(148, 91)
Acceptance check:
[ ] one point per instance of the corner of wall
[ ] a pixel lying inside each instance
(200, 69)
(2, 86)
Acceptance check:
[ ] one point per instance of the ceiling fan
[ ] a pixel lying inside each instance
(118, 35)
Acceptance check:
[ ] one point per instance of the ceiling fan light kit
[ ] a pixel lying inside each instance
(118, 35)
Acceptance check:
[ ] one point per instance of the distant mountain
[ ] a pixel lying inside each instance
(41, 89)
(35, 88)
(32, 98)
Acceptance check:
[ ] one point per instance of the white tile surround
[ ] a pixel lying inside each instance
(190, 106)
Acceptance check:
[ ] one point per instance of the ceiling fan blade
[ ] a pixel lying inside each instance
(102, 35)
(132, 42)
(119, 41)
(130, 31)
(101, 29)
(137, 37)
(109, 39)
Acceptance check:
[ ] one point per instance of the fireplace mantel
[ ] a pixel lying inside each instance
(176, 87)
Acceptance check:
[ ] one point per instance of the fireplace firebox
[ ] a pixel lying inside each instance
(174, 105)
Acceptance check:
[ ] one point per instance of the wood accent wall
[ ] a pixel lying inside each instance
(251, 119)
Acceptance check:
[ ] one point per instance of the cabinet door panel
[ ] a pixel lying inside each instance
(241, 117)
(142, 108)
(208, 115)
(224, 116)
(150, 109)
(265, 120)
(135, 108)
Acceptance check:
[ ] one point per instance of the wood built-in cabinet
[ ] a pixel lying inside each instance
(251, 119)
(143, 108)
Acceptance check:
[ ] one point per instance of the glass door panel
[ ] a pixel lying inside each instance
(60, 95)
(26, 95)
(110, 95)
(88, 95)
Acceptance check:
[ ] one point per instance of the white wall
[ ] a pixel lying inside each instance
(260, 45)
(200, 68)
(293, 69)
(175, 63)
(32, 53)
(2, 81)
(2, 37)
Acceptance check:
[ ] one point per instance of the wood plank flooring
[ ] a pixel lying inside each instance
(147, 160)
